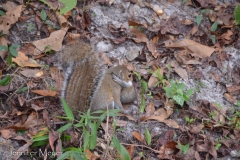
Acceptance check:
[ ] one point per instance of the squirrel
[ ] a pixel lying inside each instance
(87, 84)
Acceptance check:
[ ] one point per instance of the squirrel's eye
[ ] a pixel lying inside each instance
(129, 75)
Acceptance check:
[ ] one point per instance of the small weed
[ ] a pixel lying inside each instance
(218, 144)
(177, 93)
(189, 120)
(148, 136)
(184, 148)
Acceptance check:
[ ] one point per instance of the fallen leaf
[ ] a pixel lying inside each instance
(9, 19)
(171, 123)
(159, 115)
(181, 72)
(137, 136)
(32, 73)
(130, 150)
(45, 92)
(3, 42)
(201, 50)
(8, 133)
(90, 155)
(54, 41)
(152, 81)
(23, 61)
(230, 98)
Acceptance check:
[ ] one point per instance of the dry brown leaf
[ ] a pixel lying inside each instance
(23, 61)
(139, 36)
(201, 50)
(152, 81)
(130, 150)
(3, 42)
(121, 123)
(11, 17)
(32, 73)
(169, 107)
(62, 20)
(54, 41)
(9, 6)
(194, 30)
(23, 149)
(137, 136)
(129, 117)
(159, 115)
(181, 72)
(8, 133)
(230, 98)
(89, 155)
(45, 92)
(171, 123)
(157, 9)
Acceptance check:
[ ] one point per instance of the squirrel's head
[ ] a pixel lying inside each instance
(124, 74)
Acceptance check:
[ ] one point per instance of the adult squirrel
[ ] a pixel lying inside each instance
(87, 84)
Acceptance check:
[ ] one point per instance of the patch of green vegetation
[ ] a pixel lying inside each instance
(237, 14)
(184, 148)
(144, 89)
(177, 93)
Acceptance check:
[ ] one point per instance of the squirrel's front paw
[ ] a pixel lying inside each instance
(116, 78)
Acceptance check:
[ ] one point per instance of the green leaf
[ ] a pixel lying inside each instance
(44, 137)
(205, 10)
(65, 127)
(72, 155)
(144, 86)
(121, 149)
(143, 104)
(214, 26)
(13, 50)
(9, 59)
(184, 148)
(213, 38)
(189, 92)
(169, 91)
(93, 140)
(138, 75)
(65, 137)
(199, 19)
(148, 136)
(22, 90)
(3, 48)
(67, 110)
(238, 103)
(237, 14)
(2, 13)
(30, 27)
(178, 99)
(5, 81)
(43, 15)
(86, 136)
(39, 143)
(68, 5)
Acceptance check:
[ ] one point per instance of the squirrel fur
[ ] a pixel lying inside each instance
(87, 84)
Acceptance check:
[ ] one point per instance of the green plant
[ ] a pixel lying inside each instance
(11, 49)
(144, 89)
(2, 13)
(238, 103)
(68, 5)
(199, 19)
(237, 14)
(177, 93)
(218, 145)
(199, 85)
(189, 120)
(213, 29)
(5, 81)
(148, 136)
(121, 149)
(30, 26)
(159, 76)
(184, 148)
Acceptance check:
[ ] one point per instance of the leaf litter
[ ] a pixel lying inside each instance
(150, 35)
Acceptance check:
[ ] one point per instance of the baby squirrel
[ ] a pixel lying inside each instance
(88, 85)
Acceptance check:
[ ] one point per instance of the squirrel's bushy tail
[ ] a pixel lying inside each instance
(79, 60)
